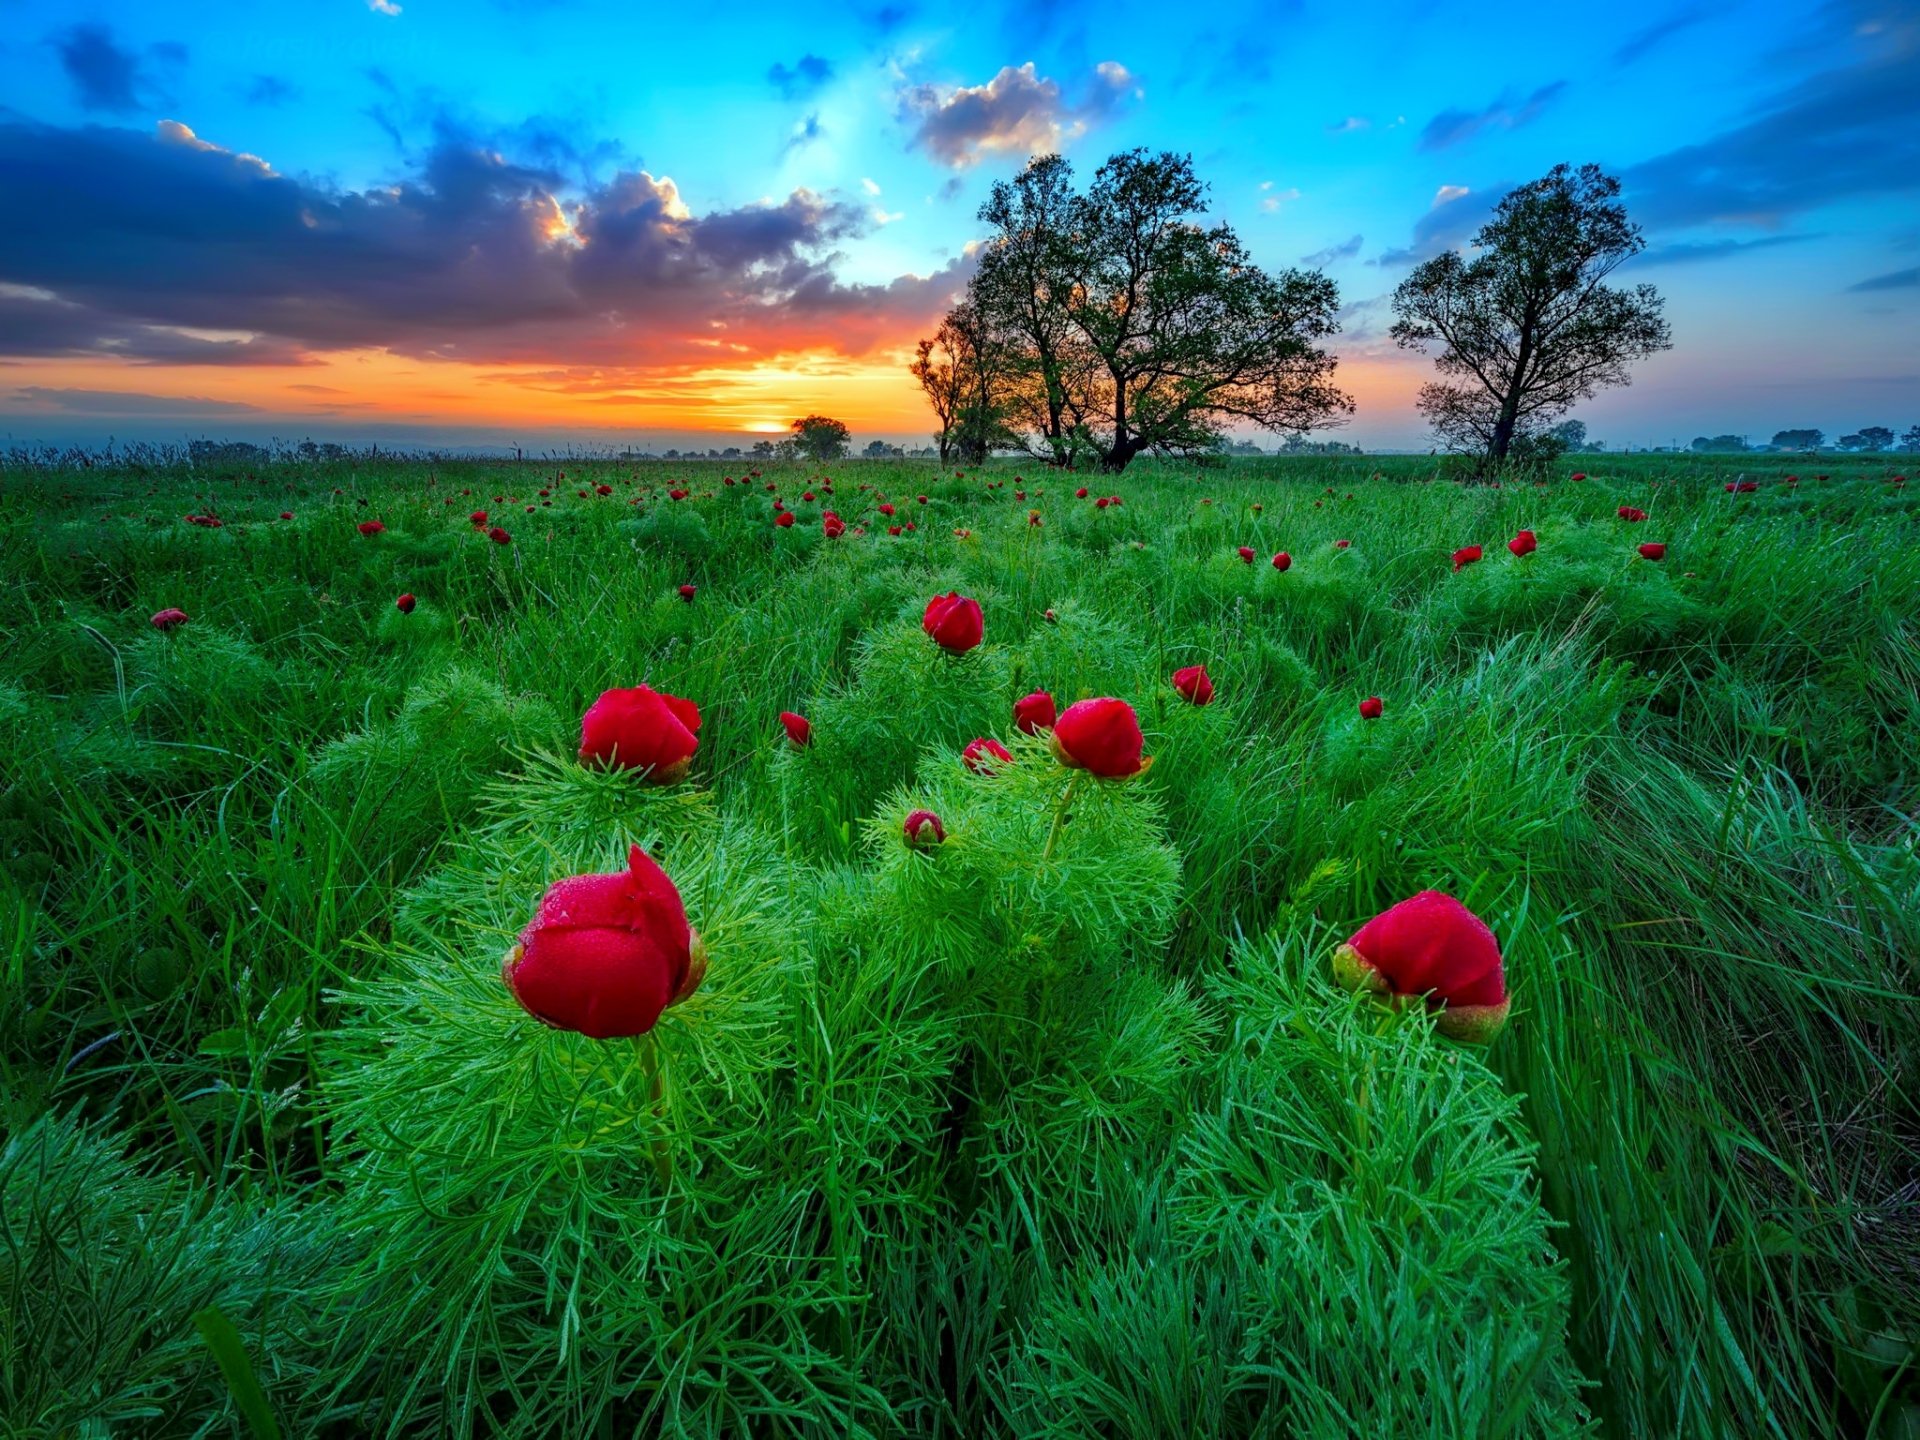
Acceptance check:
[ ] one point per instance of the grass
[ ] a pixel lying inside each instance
(1062, 1130)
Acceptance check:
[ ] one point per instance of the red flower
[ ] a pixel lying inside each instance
(1101, 737)
(641, 729)
(921, 498)
(806, 495)
(1524, 543)
(1578, 475)
(784, 519)
(1465, 555)
(1631, 513)
(1034, 713)
(954, 622)
(370, 527)
(1341, 544)
(1193, 684)
(1283, 561)
(478, 517)
(924, 830)
(832, 525)
(1371, 708)
(799, 728)
(1081, 494)
(1431, 946)
(1102, 503)
(1246, 553)
(499, 536)
(166, 619)
(286, 514)
(605, 954)
(676, 494)
(687, 592)
(608, 489)
(979, 753)
(1653, 550)
(886, 509)
(405, 603)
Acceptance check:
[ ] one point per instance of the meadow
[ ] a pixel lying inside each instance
(1061, 1127)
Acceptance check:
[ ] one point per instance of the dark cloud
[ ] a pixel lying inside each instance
(1843, 133)
(1453, 217)
(1456, 127)
(470, 255)
(270, 90)
(1896, 280)
(39, 324)
(1688, 251)
(106, 75)
(805, 133)
(126, 402)
(1644, 42)
(803, 78)
(1018, 112)
(1346, 250)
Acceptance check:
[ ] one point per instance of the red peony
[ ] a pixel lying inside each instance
(1465, 555)
(799, 728)
(1431, 946)
(687, 592)
(923, 830)
(784, 519)
(1034, 713)
(405, 603)
(499, 536)
(1246, 554)
(1371, 708)
(1193, 684)
(1631, 513)
(1283, 561)
(1341, 544)
(979, 753)
(641, 729)
(167, 619)
(1525, 543)
(832, 525)
(478, 518)
(605, 954)
(1653, 550)
(954, 622)
(370, 527)
(1101, 737)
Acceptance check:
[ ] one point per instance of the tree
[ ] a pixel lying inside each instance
(820, 439)
(1852, 442)
(1911, 440)
(964, 371)
(1798, 439)
(1113, 322)
(881, 450)
(1876, 437)
(1528, 327)
(1571, 433)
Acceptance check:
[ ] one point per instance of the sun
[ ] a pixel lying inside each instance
(766, 427)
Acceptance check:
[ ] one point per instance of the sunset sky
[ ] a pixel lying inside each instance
(542, 221)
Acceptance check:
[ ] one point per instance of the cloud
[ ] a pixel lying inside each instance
(1842, 133)
(1320, 259)
(106, 75)
(36, 322)
(1896, 280)
(269, 90)
(383, 7)
(1456, 127)
(1018, 112)
(126, 402)
(1455, 214)
(804, 133)
(805, 77)
(871, 186)
(1349, 125)
(1687, 251)
(470, 255)
(1644, 42)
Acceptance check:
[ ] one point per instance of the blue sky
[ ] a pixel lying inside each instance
(760, 209)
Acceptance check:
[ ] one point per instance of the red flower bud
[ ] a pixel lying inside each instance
(1193, 684)
(167, 619)
(924, 830)
(641, 729)
(1631, 514)
(608, 489)
(1102, 503)
(954, 622)
(405, 603)
(478, 517)
(799, 728)
(886, 509)
(1246, 553)
(921, 498)
(784, 519)
(687, 592)
(1283, 561)
(1034, 713)
(370, 527)
(1653, 550)
(1578, 475)
(1101, 737)
(1465, 555)
(1341, 544)
(676, 494)
(979, 753)
(1081, 493)
(1525, 543)
(1371, 708)
(286, 514)
(1431, 946)
(499, 536)
(605, 954)
(832, 525)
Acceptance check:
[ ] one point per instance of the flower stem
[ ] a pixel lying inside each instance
(1060, 814)
(651, 1067)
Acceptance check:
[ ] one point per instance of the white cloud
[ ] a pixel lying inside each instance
(869, 186)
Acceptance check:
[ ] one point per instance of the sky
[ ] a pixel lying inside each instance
(550, 222)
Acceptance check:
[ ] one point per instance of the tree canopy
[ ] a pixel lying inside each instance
(820, 438)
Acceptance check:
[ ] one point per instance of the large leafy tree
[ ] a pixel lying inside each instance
(820, 438)
(964, 369)
(1528, 326)
(1127, 326)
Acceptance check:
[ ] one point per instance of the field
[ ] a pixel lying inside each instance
(1060, 1128)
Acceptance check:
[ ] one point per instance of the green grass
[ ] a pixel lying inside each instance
(1062, 1130)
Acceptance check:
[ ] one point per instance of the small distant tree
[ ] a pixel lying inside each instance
(1875, 437)
(1798, 439)
(1851, 442)
(1570, 433)
(1911, 440)
(881, 450)
(820, 438)
(963, 370)
(1528, 327)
